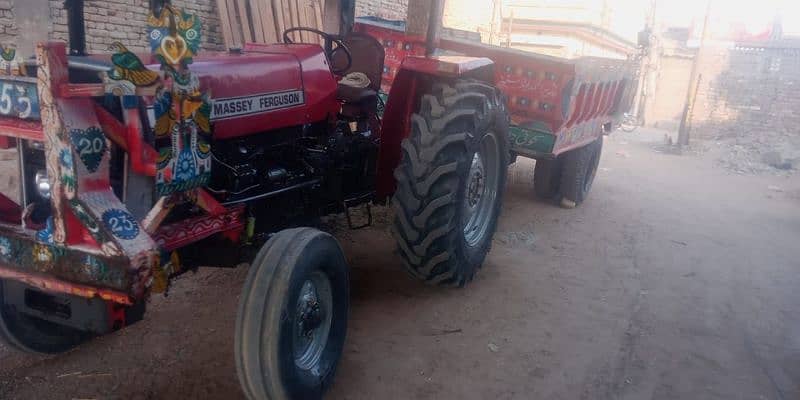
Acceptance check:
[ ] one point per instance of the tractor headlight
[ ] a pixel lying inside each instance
(42, 184)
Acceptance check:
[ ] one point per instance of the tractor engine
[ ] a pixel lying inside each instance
(333, 161)
(279, 136)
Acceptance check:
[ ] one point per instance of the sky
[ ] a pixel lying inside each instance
(752, 15)
(629, 16)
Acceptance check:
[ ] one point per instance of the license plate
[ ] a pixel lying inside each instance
(19, 98)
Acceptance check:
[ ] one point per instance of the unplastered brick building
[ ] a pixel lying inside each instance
(26, 22)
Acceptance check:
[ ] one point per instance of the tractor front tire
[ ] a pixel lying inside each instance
(450, 182)
(292, 318)
(580, 168)
(29, 334)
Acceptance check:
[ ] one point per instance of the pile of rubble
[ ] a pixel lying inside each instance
(767, 153)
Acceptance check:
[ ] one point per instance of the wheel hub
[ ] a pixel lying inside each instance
(481, 190)
(477, 182)
(310, 315)
(312, 321)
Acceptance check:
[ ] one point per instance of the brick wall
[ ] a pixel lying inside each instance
(748, 91)
(386, 9)
(8, 25)
(664, 109)
(107, 21)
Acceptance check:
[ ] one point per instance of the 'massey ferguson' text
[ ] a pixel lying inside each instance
(257, 104)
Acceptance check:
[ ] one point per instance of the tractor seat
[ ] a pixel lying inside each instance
(359, 88)
(354, 95)
(357, 97)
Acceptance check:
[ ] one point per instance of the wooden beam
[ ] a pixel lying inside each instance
(225, 23)
(317, 5)
(419, 16)
(268, 19)
(303, 6)
(258, 22)
(244, 20)
(424, 19)
(294, 21)
(332, 17)
(309, 19)
(280, 18)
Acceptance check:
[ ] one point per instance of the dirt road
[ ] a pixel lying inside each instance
(675, 280)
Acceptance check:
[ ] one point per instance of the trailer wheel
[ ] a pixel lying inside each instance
(292, 318)
(547, 178)
(580, 168)
(33, 335)
(450, 182)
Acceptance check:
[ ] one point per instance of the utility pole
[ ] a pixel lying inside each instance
(691, 92)
(647, 65)
(605, 15)
(510, 27)
(494, 25)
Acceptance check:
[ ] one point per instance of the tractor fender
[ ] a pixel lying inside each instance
(414, 78)
(450, 66)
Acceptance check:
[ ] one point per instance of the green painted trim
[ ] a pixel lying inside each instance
(528, 141)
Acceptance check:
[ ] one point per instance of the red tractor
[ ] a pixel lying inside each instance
(135, 168)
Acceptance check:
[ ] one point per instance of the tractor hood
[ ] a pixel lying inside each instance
(262, 88)
(266, 87)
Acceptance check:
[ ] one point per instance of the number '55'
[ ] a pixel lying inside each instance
(11, 94)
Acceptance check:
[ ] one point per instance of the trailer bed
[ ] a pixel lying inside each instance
(556, 104)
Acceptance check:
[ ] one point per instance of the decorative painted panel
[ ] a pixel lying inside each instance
(182, 110)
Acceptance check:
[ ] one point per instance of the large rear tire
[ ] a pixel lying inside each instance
(450, 182)
(580, 169)
(547, 178)
(29, 334)
(292, 318)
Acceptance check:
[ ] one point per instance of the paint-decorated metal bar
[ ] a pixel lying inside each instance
(91, 245)
(74, 270)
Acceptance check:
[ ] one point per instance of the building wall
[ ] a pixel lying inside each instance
(386, 9)
(25, 22)
(8, 26)
(665, 109)
(748, 91)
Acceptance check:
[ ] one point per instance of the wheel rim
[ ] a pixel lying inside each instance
(313, 316)
(481, 191)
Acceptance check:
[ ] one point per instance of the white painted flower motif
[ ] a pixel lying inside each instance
(5, 247)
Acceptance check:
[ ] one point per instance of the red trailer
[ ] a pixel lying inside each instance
(559, 108)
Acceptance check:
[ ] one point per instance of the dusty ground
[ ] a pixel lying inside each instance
(675, 280)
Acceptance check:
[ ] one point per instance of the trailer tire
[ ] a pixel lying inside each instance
(580, 169)
(450, 182)
(292, 318)
(33, 335)
(547, 178)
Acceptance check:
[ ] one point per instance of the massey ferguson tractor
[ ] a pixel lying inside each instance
(135, 168)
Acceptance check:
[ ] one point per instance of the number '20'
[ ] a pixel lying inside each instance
(90, 146)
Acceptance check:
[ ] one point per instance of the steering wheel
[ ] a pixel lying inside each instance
(330, 51)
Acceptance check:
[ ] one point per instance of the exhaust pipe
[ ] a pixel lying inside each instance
(76, 26)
